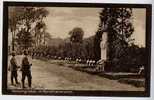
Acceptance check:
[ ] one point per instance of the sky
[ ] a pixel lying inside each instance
(63, 19)
(139, 22)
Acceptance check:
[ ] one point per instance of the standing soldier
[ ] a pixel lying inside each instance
(13, 68)
(26, 70)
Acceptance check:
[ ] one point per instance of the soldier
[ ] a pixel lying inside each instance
(13, 68)
(26, 70)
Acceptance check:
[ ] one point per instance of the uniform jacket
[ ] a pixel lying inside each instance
(13, 64)
(25, 64)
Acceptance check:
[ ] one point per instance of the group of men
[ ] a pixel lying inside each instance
(25, 69)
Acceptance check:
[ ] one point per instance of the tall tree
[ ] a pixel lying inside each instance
(27, 19)
(76, 38)
(117, 22)
(47, 37)
(24, 39)
(13, 18)
(76, 35)
(39, 33)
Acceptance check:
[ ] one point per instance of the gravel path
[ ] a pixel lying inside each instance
(46, 75)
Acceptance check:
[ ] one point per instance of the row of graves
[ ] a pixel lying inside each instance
(94, 67)
(99, 67)
(102, 66)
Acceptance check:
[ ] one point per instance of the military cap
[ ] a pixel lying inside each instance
(13, 53)
(25, 52)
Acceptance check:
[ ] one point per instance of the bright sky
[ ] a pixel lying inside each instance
(63, 19)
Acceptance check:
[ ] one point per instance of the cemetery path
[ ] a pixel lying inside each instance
(46, 75)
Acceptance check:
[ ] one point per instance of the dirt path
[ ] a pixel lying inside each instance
(51, 76)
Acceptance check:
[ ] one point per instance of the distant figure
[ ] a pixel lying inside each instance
(87, 62)
(59, 58)
(77, 60)
(26, 70)
(93, 62)
(141, 69)
(13, 68)
(90, 61)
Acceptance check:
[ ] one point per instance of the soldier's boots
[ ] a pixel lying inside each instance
(16, 80)
(29, 84)
(23, 85)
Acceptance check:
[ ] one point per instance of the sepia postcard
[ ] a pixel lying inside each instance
(76, 49)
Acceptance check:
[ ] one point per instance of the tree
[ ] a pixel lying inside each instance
(76, 35)
(24, 39)
(97, 49)
(13, 18)
(47, 37)
(117, 22)
(76, 39)
(88, 44)
(40, 33)
(27, 17)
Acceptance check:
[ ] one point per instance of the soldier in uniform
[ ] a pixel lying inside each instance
(26, 70)
(13, 68)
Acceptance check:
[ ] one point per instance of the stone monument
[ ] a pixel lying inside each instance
(103, 46)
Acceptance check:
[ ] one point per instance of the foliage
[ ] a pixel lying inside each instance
(117, 22)
(24, 39)
(123, 54)
(25, 18)
(133, 58)
(76, 35)
(68, 49)
(96, 43)
(89, 46)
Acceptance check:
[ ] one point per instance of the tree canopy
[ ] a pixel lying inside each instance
(76, 34)
(118, 23)
(23, 20)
